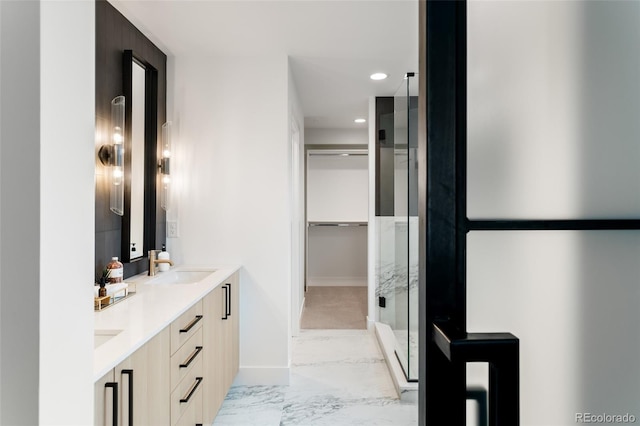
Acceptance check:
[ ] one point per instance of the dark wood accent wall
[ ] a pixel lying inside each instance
(114, 35)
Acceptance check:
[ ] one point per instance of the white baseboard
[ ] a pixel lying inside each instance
(337, 281)
(251, 376)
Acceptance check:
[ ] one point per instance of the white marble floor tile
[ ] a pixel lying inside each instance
(338, 378)
(357, 379)
(332, 410)
(252, 405)
(333, 345)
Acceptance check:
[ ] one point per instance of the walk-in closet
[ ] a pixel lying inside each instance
(336, 249)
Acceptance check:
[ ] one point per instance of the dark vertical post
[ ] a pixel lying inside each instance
(442, 205)
(504, 384)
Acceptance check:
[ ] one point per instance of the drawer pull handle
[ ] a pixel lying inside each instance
(130, 374)
(114, 387)
(226, 301)
(193, 356)
(192, 391)
(191, 324)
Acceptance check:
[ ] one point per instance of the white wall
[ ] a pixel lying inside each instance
(322, 136)
(337, 188)
(553, 107)
(47, 144)
(67, 229)
(19, 211)
(231, 118)
(337, 256)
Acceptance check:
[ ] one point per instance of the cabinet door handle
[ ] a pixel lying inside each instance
(193, 356)
(192, 390)
(229, 302)
(114, 387)
(191, 324)
(226, 298)
(130, 374)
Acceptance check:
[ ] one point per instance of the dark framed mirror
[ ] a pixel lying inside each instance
(140, 84)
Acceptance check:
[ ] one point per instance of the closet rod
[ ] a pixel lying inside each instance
(343, 224)
(336, 154)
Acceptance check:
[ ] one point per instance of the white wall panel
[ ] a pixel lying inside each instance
(572, 299)
(553, 109)
(67, 229)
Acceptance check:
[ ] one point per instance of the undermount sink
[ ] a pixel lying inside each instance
(103, 336)
(181, 277)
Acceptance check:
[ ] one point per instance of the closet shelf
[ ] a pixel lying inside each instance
(345, 224)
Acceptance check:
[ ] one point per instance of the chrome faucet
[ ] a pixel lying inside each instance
(153, 261)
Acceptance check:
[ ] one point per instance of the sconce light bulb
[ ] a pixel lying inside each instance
(166, 179)
(117, 135)
(117, 172)
(166, 153)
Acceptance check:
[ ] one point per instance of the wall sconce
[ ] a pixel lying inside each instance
(113, 156)
(164, 166)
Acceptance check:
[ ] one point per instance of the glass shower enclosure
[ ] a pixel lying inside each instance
(398, 239)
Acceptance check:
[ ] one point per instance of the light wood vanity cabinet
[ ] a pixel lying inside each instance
(231, 333)
(182, 375)
(221, 334)
(137, 388)
(213, 391)
(187, 352)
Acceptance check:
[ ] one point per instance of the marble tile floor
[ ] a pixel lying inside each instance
(338, 378)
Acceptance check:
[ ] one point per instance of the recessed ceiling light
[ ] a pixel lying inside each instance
(378, 76)
(359, 120)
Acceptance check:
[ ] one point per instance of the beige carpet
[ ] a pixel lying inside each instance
(335, 308)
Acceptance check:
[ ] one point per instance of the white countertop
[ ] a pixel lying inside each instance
(147, 312)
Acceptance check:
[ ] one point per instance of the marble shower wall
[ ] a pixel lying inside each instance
(397, 270)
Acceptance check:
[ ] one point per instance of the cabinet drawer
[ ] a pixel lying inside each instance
(186, 357)
(192, 415)
(186, 326)
(187, 392)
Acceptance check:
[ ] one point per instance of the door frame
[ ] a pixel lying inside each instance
(338, 148)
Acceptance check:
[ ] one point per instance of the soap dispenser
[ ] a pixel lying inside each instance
(163, 267)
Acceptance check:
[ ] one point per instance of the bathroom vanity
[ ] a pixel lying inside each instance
(164, 351)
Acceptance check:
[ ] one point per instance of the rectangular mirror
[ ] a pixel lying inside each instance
(140, 158)
(136, 241)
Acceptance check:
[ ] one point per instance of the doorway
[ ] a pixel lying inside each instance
(336, 239)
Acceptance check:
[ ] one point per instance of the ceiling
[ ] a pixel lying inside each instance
(333, 45)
